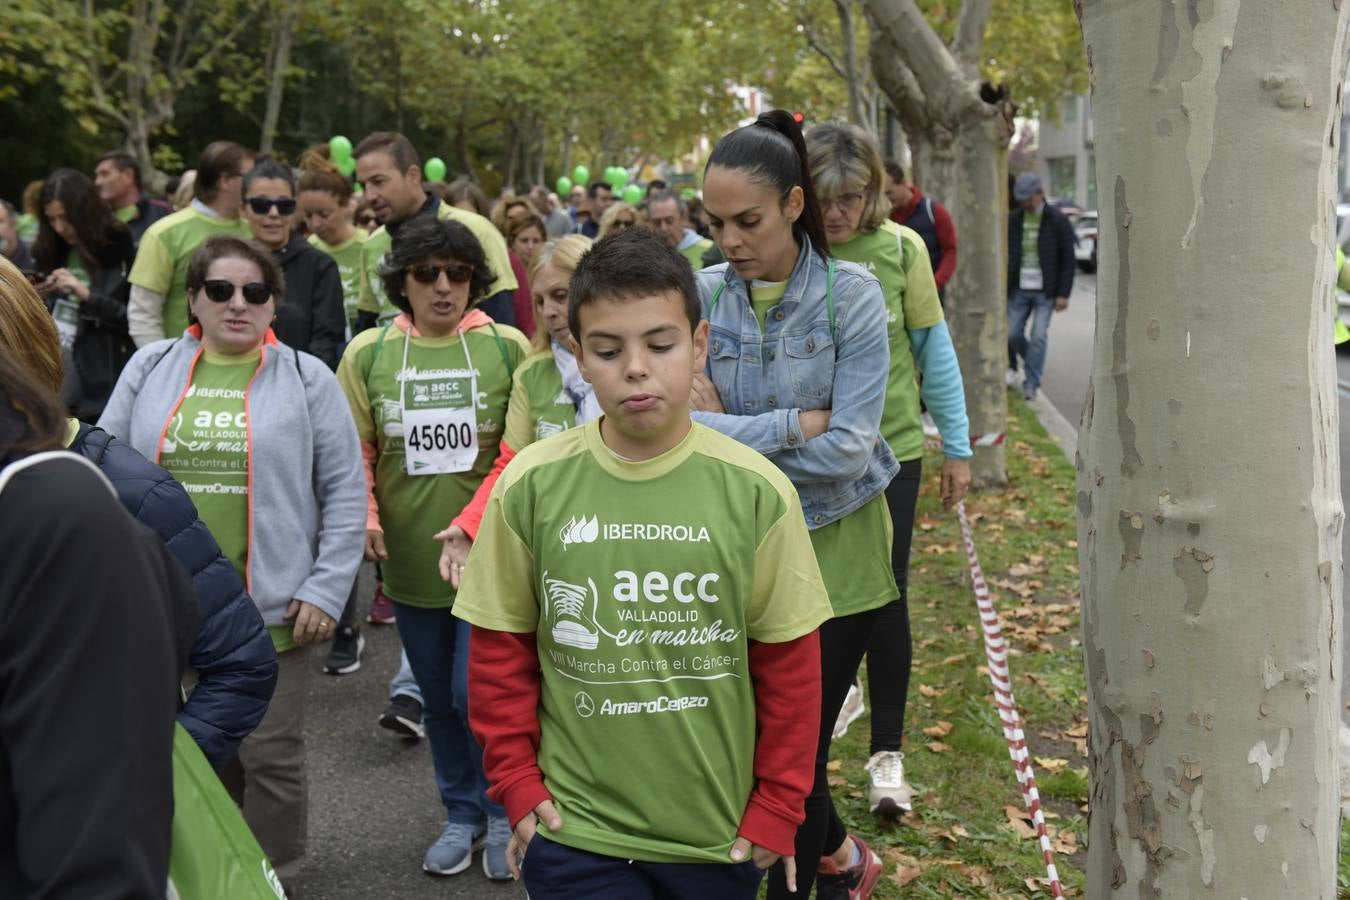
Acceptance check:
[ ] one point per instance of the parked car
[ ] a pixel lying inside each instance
(1085, 241)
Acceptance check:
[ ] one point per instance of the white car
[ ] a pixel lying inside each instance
(1085, 241)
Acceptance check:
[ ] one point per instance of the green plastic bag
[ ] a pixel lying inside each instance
(214, 854)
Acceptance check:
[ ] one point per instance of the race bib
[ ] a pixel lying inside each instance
(66, 314)
(1031, 280)
(440, 441)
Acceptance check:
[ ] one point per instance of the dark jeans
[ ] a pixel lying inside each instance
(842, 644)
(553, 871)
(891, 651)
(437, 647)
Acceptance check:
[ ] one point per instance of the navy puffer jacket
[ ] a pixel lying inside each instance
(233, 655)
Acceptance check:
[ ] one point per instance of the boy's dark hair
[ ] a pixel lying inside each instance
(399, 148)
(895, 170)
(270, 169)
(596, 186)
(220, 159)
(635, 262)
(123, 161)
(426, 237)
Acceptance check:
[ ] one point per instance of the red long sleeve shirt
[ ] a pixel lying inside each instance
(946, 233)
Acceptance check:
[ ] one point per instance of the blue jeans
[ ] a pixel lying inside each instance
(554, 871)
(1022, 305)
(437, 645)
(403, 681)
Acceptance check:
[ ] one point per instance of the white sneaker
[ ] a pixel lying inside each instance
(1010, 378)
(889, 794)
(850, 712)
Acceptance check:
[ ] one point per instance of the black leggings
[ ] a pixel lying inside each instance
(891, 651)
(842, 644)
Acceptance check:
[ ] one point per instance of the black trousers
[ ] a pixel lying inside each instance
(890, 655)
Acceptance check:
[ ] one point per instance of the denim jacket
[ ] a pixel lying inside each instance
(799, 363)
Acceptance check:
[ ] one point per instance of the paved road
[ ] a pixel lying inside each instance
(1065, 386)
(373, 806)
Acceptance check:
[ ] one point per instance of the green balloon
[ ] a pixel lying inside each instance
(633, 194)
(581, 175)
(617, 176)
(339, 148)
(689, 193)
(564, 185)
(435, 170)
(347, 166)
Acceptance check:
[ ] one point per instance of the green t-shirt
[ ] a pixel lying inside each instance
(642, 583)
(854, 554)
(205, 447)
(539, 406)
(896, 255)
(694, 253)
(162, 259)
(764, 296)
(127, 213)
(347, 255)
(373, 298)
(1030, 277)
(414, 507)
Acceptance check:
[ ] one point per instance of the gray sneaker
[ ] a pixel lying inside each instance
(453, 851)
(1028, 392)
(494, 850)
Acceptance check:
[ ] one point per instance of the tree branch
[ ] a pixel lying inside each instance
(897, 82)
(813, 38)
(970, 28)
(935, 70)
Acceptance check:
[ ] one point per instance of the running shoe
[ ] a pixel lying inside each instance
(855, 882)
(381, 607)
(850, 712)
(889, 795)
(494, 849)
(453, 851)
(1010, 378)
(403, 716)
(344, 657)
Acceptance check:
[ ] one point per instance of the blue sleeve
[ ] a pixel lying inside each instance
(943, 391)
(768, 433)
(232, 654)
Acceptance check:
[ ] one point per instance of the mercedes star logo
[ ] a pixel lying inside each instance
(585, 705)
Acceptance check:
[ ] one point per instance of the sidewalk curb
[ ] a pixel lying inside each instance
(1061, 431)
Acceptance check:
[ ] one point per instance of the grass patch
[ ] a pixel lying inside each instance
(959, 841)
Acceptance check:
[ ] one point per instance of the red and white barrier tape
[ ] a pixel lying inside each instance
(996, 648)
(987, 440)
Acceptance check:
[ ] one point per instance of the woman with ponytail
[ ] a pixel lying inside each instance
(325, 202)
(797, 369)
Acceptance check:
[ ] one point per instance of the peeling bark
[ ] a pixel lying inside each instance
(1208, 473)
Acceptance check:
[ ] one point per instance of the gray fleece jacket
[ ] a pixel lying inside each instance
(307, 486)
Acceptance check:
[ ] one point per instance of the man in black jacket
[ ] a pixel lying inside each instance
(118, 178)
(1040, 277)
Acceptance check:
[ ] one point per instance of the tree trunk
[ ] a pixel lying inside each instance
(279, 60)
(1208, 482)
(958, 131)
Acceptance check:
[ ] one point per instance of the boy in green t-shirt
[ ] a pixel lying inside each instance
(645, 600)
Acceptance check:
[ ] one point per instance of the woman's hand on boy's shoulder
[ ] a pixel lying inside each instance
(764, 858)
(525, 830)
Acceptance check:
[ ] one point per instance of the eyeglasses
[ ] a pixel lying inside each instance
(219, 290)
(429, 273)
(620, 224)
(847, 203)
(261, 205)
(366, 220)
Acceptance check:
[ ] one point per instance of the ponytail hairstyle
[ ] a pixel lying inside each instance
(317, 173)
(772, 151)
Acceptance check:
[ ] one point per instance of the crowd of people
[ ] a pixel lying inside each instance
(625, 471)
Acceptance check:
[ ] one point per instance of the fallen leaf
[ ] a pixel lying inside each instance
(834, 765)
(938, 746)
(941, 730)
(836, 780)
(1051, 764)
(927, 524)
(929, 691)
(953, 660)
(903, 875)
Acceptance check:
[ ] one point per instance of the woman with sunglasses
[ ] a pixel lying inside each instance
(312, 317)
(429, 391)
(364, 216)
(260, 436)
(619, 216)
(85, 254)
(847, 169)
(325, 203)
(797, 363)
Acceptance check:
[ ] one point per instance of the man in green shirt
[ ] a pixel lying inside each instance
(644, 599)
(158, 306)
(669, 214)
(117, 176)
(390, 173)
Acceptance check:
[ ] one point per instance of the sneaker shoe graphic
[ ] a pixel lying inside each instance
(889, 795)
(572, 626)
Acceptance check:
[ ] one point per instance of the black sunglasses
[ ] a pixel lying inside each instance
(367, 220)
(427, 273)
(220, 291)
(261, 205)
